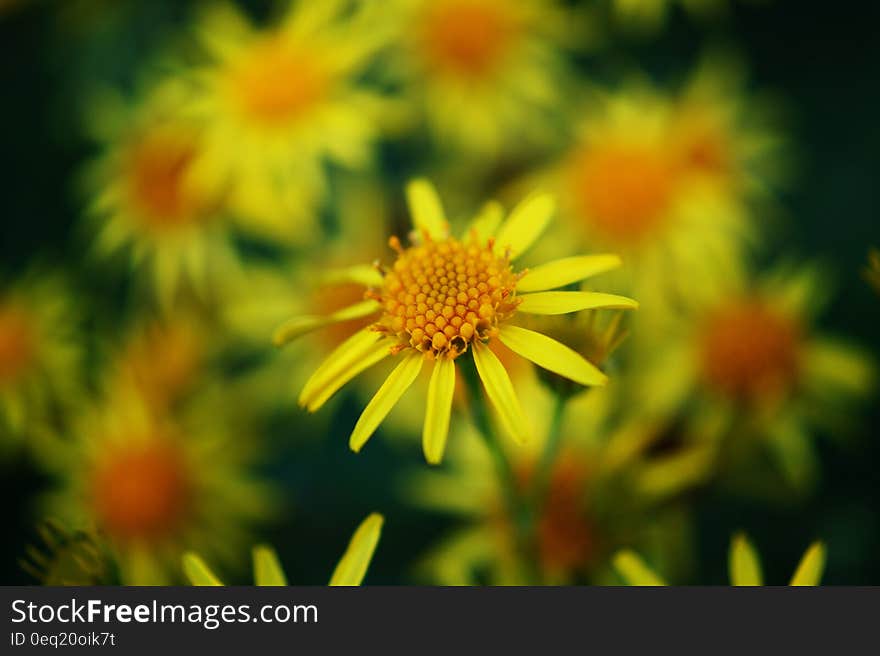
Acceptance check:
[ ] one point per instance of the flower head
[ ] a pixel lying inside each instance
(274, 103)
(152, 485)
(444, 297)
(485, 74)
(39, 354)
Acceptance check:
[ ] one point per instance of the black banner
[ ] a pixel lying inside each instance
(379, 620)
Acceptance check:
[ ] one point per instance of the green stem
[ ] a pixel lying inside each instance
(544, 470)
(518, 508)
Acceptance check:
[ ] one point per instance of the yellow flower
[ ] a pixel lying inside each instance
(350, 570)
(757, 368)
(486, 74)
(153, 485)
(148, 202)
(275, 103)
(39, 354)
(446, 297)
(745, 566)
(623, 187)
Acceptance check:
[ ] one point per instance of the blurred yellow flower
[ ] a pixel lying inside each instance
(350, 571)
(745, 566)
(153, 486)
(275, 103)
(40, 355)
(623, 187)
(486, 74)
(727, 139)
(147, 201)
(757, 367)
(444, 297)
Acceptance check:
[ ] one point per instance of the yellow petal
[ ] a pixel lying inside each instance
(809, 571)
(361, 274)
(375, 354)
(299, 326)
(526, 223)
(267, 568)
(745, 567)
(342, 358)
(551, 355)
(398, 381)
(486, 223)
(440, 392)
(500, 391)
(565, 302)
(634, 571)
(198, 572)
(566, 271)
(353, 565)
(426, 209)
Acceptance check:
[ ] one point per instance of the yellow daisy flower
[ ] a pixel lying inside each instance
(623, 187)
(486, 74)
(274, 104)
(153, 486)
(350, 570)
(39, 354)
(148, 202)
(447, 297)
(745, 566)
(757, 367)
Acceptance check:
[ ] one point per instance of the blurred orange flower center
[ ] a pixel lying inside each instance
(277, 83)
(442, 295)
(750, 350)
(705, 148)
(467, 37)
(623, 190)
(566, 537)
(142, 491)
(158, 166)
(17, 347)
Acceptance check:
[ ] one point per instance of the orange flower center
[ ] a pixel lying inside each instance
(466, 37)
(157, 168)
(442, 295)
(142, 492)
(277, 83)
(750, 350)
(704, 146)
(623, 190)
(17, 347)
